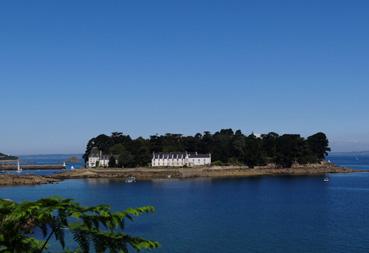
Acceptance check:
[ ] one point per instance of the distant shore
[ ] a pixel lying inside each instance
(13, 167)
(177, 173)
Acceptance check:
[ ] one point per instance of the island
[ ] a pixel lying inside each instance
(224, 154)
(226, 147)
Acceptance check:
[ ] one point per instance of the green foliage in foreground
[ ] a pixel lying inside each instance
(94, 229)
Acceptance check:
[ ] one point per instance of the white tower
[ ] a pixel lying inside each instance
(19, 169)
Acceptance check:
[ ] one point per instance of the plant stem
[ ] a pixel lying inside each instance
(47, 240)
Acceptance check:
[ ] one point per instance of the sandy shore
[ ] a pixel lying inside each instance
(177, 173)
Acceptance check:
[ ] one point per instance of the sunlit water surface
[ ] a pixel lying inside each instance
(266, 214)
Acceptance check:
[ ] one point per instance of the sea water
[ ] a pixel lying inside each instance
(264, 214)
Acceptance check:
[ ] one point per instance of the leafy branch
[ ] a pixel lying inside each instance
(96, 229)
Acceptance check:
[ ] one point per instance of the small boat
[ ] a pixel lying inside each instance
(130, 179)
(72, 167)
(326, 179)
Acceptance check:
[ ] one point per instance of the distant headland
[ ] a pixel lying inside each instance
(4, 157)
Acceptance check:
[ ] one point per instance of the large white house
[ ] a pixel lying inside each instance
(97, 159)
(180, 159)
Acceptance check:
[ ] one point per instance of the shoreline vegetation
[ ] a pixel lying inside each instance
(148, 174)
(234, 154)
(226, 146)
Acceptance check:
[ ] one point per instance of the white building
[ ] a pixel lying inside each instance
(180, 159)
(97, 159)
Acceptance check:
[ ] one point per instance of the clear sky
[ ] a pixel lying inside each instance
(70, 70)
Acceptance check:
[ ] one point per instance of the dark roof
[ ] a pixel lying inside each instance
(179, 155)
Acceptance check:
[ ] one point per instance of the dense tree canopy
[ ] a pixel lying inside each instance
(226, 146)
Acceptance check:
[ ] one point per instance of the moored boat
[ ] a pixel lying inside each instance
(130, 179)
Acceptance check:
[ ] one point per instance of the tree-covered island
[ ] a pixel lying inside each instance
(226, 146)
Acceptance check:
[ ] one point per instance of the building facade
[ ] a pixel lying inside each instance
(97, 159)
(180, 159)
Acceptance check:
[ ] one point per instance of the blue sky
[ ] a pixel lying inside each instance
(70, 70)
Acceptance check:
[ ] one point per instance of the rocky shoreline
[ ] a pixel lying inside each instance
(213, 172)
(7, 180)
(177, 173)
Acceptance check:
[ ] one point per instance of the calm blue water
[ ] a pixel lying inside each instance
(352, 161)
(49, 160)
(267, 214)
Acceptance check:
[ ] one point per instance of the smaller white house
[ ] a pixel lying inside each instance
(195, 159)
(180, 159)
(97, 159)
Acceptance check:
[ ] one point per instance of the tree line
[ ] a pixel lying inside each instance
(226, 146)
